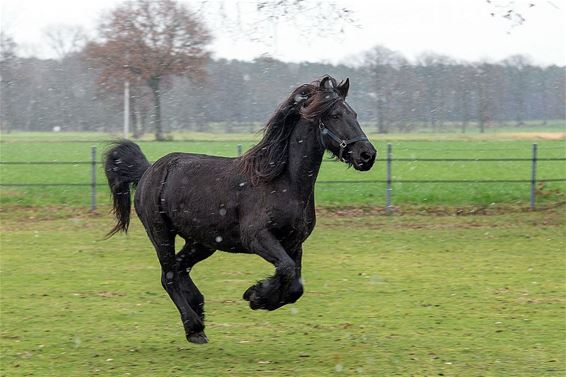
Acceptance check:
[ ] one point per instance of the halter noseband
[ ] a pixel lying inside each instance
(343, 143)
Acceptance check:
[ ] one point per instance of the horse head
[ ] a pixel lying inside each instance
(340, 132)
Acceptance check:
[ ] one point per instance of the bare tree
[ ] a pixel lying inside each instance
(148, 41)
(515, 12)
(517, 68)
(487, 88)
(65, 39)
(330, 17)
(434, 68)
(383, 67)
(260, 21)
(464, 84)
(7, 76)
(7, 47)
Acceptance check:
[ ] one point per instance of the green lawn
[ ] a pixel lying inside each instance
(74, 147)
(400, 296)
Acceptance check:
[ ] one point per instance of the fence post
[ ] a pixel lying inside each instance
(239, 150)
(93, 180)
(388, 209)
(534, 177)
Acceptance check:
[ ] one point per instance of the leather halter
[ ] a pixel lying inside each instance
(343, 143)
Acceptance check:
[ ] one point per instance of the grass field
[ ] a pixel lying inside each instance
(408, 295)
(76, 147)
(423, 293)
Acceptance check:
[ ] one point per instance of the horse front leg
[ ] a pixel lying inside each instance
(282, 288)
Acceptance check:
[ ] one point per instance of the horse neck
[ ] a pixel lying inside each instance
(305, 156)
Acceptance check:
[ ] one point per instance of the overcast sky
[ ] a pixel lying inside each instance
(462, 29)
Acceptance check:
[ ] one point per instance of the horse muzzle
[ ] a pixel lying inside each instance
(363, 155)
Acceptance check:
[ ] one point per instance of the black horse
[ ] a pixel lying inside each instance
(261, 203)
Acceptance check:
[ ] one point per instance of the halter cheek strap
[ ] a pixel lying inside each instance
(343, 143)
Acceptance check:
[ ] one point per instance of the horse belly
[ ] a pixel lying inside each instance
(212, 233)
(200, 216)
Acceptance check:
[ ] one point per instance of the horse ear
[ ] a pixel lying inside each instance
(344, 87)
(326, 83)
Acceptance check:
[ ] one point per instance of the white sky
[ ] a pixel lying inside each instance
(462, 29)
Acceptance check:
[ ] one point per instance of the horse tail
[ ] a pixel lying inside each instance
(124, 164)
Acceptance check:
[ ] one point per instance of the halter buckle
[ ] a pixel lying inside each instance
(343, 144)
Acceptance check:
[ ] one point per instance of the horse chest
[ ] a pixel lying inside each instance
(292, 224)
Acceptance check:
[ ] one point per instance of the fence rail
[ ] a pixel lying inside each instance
(389, 181)
(392, 159)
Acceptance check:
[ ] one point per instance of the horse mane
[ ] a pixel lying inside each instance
(267, 159)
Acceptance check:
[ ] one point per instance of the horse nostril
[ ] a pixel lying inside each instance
(365, 156)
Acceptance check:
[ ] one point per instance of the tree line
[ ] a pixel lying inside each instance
(160, 49)
(392, 96)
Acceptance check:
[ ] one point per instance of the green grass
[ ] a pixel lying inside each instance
(498, 127)
(69, 147)
(400, 296)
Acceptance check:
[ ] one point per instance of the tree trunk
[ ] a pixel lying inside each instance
(381, 122)
(544, 99)
(381, 125)
(465, 111)
(154, 85)
(484, 117)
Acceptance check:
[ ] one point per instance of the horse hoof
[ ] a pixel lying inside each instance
(248, 293)
(197, 338)
(256, 304)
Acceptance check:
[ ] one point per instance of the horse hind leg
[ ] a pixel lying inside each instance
(191, 254)
(172, 280)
